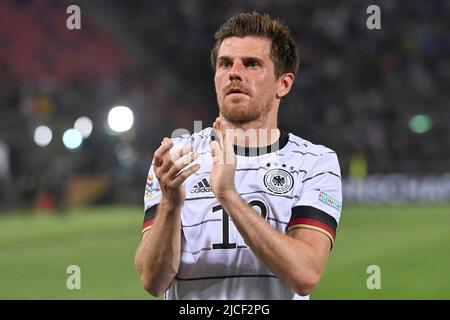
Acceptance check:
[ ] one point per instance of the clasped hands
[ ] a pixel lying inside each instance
(173, 168)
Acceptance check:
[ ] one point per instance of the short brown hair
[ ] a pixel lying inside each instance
(284, 50)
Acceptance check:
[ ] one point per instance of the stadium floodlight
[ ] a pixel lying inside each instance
(120, 119)
(84, 126)
(72, 139)
(43, 136)
(420, 123)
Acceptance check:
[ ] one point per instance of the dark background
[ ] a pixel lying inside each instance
(356, 91)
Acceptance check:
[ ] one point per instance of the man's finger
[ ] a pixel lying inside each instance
(170, 158)
(185, 174)
(216, 151)
(227, 145)
(181, 164)
(180, 152)
(165, 146)
(219, 133)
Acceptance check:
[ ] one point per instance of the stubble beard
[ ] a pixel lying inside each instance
(241, 112)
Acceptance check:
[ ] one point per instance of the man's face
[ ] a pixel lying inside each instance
(245, 80)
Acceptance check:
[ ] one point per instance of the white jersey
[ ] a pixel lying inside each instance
(292, 184)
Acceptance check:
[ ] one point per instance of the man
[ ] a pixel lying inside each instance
(242, 210)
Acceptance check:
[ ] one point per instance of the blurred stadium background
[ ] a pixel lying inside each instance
(71, 189)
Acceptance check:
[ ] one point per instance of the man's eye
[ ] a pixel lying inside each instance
(252, 64)
(225, 64)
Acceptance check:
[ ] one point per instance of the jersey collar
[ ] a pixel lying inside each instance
(252, 152)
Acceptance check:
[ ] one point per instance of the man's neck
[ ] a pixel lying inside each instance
(254, 134)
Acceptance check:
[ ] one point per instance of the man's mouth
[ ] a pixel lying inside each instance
(235, 90)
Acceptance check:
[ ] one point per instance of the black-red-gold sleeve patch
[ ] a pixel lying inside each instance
(312, 218)
(149, 218)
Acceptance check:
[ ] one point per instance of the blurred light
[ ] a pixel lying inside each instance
(43, 136)
(420, 123)
(84, 126)
(120, 119)
(125, 154)
(72, 139)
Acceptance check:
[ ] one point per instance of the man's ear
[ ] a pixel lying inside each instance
(284, 84)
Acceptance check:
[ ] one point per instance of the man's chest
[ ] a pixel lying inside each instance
(269, 186)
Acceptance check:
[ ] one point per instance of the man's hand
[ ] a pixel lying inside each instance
(168, 169)
(224, 161)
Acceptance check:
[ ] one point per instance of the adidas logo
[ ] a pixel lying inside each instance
(201, 187)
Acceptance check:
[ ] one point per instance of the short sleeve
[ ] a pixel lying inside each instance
(319, 201)
(152, 198)
(153, 195)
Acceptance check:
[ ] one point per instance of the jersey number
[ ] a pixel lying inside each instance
(225, 244)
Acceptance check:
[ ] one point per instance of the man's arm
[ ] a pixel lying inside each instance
(299, 257)
(158, 255)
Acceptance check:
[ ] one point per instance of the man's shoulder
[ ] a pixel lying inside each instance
(306, 147)
(314, 158)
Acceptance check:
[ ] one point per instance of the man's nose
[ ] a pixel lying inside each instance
(236, 71)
